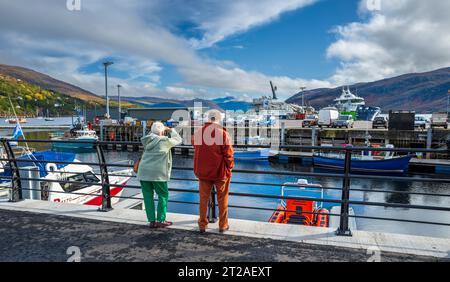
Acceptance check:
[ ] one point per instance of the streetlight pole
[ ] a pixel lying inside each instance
(303, 95)
(120, 108)
(106, 65)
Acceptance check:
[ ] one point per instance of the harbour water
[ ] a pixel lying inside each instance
(363, 224)
(394, 187)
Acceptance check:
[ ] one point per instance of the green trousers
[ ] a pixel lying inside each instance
(161, 189)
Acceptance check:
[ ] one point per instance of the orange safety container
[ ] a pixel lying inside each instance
(302, 207)
(322, 218)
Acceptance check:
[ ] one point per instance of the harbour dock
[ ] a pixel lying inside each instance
(124, 236)
(292, 134)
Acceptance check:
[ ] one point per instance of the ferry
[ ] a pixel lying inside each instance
(308, 211)
(59, 181)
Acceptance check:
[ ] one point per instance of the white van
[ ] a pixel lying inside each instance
(327, 116)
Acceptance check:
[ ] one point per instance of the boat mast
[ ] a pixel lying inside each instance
(18, 122)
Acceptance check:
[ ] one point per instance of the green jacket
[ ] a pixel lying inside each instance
(156, 162)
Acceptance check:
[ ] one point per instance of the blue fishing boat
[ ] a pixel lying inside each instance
(252, 155)
(393, 165)
(366, 162)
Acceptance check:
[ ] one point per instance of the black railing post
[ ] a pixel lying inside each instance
(212, 206)
(16, 185)
(344, 229)
(106, 188)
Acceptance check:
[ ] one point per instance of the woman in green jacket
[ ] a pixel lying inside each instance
(155, 169)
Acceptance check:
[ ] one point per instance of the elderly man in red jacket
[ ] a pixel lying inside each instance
(213, 162)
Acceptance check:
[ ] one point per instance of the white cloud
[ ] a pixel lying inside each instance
(141, 36)
(227, 18)
(186, 93)
(403, 36)
(144, 38)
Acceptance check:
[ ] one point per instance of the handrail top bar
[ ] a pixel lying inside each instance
(300, 147)
(333, 175)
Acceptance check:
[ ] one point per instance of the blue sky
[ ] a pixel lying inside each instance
(295, 45)
(206, 48)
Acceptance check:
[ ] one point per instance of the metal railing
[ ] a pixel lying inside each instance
(15, 181)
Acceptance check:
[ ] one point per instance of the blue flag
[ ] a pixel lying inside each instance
(17, 132)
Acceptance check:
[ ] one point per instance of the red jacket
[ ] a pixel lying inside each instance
(213, 157)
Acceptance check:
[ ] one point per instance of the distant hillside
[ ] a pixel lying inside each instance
(224, 104)
(31, 100)
(155, 101)
(421, 92)
(231, 104)
(48, 83)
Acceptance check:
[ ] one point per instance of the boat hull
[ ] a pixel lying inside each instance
(258, 155)
(73, 145)
(394, 165)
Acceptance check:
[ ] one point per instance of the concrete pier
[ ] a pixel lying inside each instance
(43, 231)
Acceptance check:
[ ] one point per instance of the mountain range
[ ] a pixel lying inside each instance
(421, 92)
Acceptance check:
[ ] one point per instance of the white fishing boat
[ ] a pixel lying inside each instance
(84, 135)
(348, 102)
(71, 183)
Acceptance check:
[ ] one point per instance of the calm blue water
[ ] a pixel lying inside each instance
(363, 224)
(37, 121)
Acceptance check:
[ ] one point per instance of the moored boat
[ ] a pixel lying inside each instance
(15, 120)
(252, 155)
(70, 183)
(84, 139)
(308, 210)
(366, 162)
(348, 102)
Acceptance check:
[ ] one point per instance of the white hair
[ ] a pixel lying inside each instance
(214, 116)
(157, 128)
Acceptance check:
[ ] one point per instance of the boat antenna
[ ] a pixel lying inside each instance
(18, 122)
